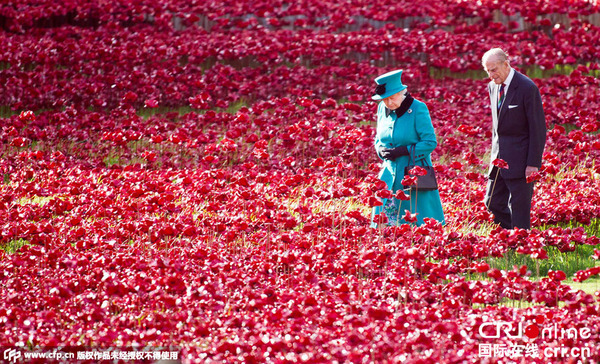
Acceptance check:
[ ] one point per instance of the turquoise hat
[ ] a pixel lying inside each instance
(388, 84)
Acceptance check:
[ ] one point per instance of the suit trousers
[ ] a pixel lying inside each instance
(509, 200)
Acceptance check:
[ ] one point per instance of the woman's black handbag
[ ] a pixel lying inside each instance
(427, 182)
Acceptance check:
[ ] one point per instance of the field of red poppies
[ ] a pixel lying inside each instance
(199, 175)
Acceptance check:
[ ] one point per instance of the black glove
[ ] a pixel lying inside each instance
(393, 153)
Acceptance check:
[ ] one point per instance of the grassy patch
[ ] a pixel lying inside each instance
(590, 286)
(112, 160)
(149, 112)
(592, 229)
(439, 73)
(568, 262)
(37, 200)
(6, 111)
(13, 245)
(233, 108)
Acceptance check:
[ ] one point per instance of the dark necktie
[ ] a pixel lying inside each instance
(501, 96)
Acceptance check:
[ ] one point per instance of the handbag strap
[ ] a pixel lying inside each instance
(412, 161)
(412, 152)
(411, 155)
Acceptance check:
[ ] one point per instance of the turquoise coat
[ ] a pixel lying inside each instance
(414, 127)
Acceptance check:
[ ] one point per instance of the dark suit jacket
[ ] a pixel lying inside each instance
(519, 132)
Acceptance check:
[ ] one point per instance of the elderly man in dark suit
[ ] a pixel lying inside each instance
(518, 138)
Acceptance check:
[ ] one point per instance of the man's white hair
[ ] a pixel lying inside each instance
(496, 54)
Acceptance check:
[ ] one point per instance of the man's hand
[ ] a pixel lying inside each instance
(530, 170)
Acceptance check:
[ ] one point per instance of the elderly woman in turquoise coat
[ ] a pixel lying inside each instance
(403, 125)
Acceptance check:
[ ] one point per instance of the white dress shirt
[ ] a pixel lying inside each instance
(507, 82)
